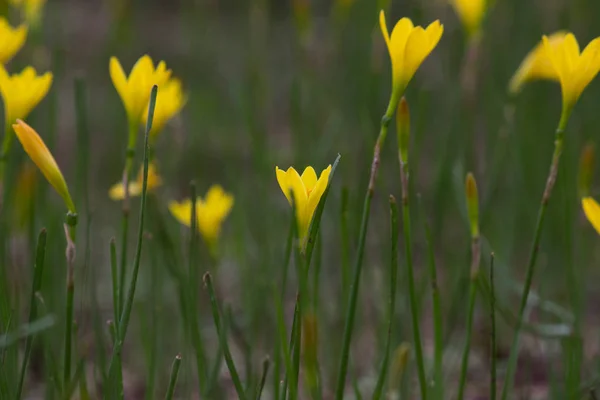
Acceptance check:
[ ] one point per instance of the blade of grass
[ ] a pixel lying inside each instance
(173, 379)
(284, 343)
(114, 276)
(493, 378)
(35, 287)
(263, 379)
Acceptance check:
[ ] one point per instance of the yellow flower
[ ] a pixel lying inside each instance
(31, 9)
(22, 92)
(11, 40)
(471, 13)
(592, 212)
(536, 65)
(307, 191)
(135, 89)
(575, 69)
(210, 212)
(169, 101)
(38, 152)
(117, 191)
(408, 46)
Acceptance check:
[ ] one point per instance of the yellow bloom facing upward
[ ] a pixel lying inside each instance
(31, 9)
(536, 65)
(38, 152)
(307, 191)
(471, 13)
(592, 212)
(408, 46)
(135, 89)
(117, 191)
(575, 69)
(170, 99)
(11, 40)
(210, 212)
(22, 92)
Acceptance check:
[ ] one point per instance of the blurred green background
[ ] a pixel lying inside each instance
(295, 82)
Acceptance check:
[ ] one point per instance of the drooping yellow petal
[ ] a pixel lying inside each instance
(420, 43)
(592, 212)
(181, 211)
(536, 65)
(22, 92)
(35, 147)
(11, 40)
(471, 13)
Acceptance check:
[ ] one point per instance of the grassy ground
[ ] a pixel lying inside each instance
(269, 86)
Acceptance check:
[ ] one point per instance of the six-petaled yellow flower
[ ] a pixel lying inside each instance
(471, 14)
(135, 89)
(11, 40)
(22, 92)
(536, 65)
(408, 46)
(35, 147)
(306, 191)
(170, 99)
(592, 212)
(575, 69)
(30, 9)
(117, 191)
(211, 211)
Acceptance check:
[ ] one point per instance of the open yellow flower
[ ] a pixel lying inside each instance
(536, 65)
(11, 40)
(35, 147)
(471, 13)
(135, 89)
(210, 212)
(22, 92)
(170, 99)
(592, 212)
(31, 10)
(575, 69)
(117, 191)
(307, 191)
(408, 46)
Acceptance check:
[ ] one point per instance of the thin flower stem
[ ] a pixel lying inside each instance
(173, 378)
(411, 280)
(550, 181)
(467, 348)
(114, 276)
(70, 226)
(392, 299)
(353, 297)
(263, 379)
(493, 331)
(125, 315)
(222, 338)
(35, 287)
(284, 343)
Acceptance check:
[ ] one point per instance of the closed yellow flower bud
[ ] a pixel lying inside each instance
(408, 46)
(22, 92)
(11, 40)
(306, 191)
(117, 191)
(35, 147)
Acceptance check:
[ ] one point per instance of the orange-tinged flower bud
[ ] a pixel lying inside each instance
(408, 46)
(306, 191)
(35, 147)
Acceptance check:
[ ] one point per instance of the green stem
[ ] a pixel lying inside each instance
(284, 343)
(115, 283)
(128, 305)
(223, 339)
(493, 331)
(466, 350)
(352, 300)
(173, 379)
(70, 234)
(411, 281)
(392, 299)
(263, 379)
(550, 181)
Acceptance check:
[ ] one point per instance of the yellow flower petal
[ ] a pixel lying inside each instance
(471, 13)
(181, 211)
(117, 191)
(11, 40)
(309, 178)
(35, 147)
(315, 196)
(22, 92)
(592, 212)
(170, 99)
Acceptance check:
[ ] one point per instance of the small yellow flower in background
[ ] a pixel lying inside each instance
(35, 147)
(170, 99)
(408, 46)
(307, 191)
(592, 212)
(471, 14)
(536, 65)
(22, 92)
(135, 89)
(575, 69)
(31, 10)
(210, 212)
(11, 40)
(117, 191)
